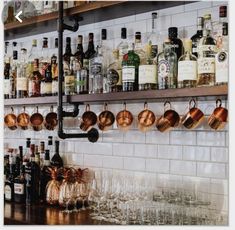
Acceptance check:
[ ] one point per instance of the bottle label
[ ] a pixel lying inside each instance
(187, 70)
(221, 65)
(54, 87)
(47, 88)
(112, 77)
(207, 48)
(21, 84)
(19, 188)
(7, 84)
(206, 65)
(147, 74)
(69, 83)
(96, 68)
(163, 68)
(7, 191)
(128, 73)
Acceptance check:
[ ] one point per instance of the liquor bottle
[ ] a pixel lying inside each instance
(68, 53)
(27, 150)
(177, 44)
(50, 144)
(139, 48)
(95, 72)
(42, 152)
(37, 155)
(167, 67)
(54, 73)
(114, 74)
(46, 85)
(32, 176)
(187, 67)
(34, 86)
(69, 78)
(19, 185)
(221, 59)
(21, 80)
(7, 79)
(19, 161)
(38, 7)
(48, 7)
(56, 43)
(148, 70)
(206, 55)
(196, 37)
(79, 55)
(218, 26)
(130, 67)
(44, 176)
(123, 45)
(82, 78)
(6, 167)
(91, 48)
(56, 160)
(9, 183)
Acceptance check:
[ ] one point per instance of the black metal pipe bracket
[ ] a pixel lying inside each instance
(93, 134)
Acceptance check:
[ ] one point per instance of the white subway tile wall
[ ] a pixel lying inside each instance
(182, 155)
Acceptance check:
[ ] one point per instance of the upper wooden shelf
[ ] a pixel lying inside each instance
(205, 93)
(67, 12)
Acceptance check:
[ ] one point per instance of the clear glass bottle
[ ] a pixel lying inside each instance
(44, 59)
(167, 67)
(139, 48)
(177, 44)
(96, 72)
(114, 74)
(130, 67)
(222, 59)
(187, 67)
(22, 80)
(196, 37)
(35, 86)
(69, 79)
(82, 78)
(38, 7)
(123, 45)
(13, 72)
(206, 55)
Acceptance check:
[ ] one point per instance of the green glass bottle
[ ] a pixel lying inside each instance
(130, 66)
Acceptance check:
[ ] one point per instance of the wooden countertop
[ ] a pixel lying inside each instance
(21, 214)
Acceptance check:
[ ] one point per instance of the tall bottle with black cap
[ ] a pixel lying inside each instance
(56, 159)
(123, 45)
(176, 43)
(68, 53)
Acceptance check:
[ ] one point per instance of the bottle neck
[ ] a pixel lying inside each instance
(207, 27)
(68, 48)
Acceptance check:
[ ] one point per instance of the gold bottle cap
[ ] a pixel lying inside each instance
(34, 42)
(188, 44)
(207, 16)
(116, 53)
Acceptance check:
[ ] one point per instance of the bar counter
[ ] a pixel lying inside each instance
(40, 214)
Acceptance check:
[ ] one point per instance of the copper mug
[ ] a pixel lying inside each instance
(10, 120)
(146, 119)
(51, 121)
(89, 119)
(105, 119)
(194, 116)
(36, 120)
(218, 118)
(124, 119)
(23, 120)
(168, 120)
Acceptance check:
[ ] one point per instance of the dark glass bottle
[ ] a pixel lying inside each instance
(32, 176)
(6, 167)
(19, 160)
(47, 88)
(79, 55)
(68, 51)
(177, 44)
(91, 48)
(44, 176)
(196, 37)
(7, 79)
(9, 183)
(19, 185)
(56, 160)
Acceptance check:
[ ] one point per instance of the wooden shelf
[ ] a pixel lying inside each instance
(67, 12)
(205, 93)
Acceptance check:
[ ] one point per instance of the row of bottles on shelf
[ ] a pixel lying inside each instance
(35, 8)
(199, 61)
(25, 172)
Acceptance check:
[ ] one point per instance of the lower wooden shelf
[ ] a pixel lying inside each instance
(204, 93)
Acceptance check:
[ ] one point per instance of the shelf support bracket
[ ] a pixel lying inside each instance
(93, 134)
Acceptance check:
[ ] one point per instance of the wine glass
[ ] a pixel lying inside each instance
(83, 194)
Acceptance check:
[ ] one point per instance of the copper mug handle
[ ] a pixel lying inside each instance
(89, 119)
(10, 120)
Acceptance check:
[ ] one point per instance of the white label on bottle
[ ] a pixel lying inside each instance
(128, 73)
(206, 65)
(163, 68)
(194, 49)
(7, 191)
(221, 66)
(30, 87)
(207, 48)
(19, 188)
(147, 74)
(187, 70)
(69, 80)
(21, 84)
(54, 87)
(47, 88)
(7, 84)
(42, 87)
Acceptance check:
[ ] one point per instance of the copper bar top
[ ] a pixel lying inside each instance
(39, 214)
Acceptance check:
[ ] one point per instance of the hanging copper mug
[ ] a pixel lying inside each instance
(23, 120)
(146, 119)
(51, 121)
(168, 120)
(10, 120)
(105, 119)
(193, 117)
(218, 118)
(36, 120)
(89, 119)
(124, 119)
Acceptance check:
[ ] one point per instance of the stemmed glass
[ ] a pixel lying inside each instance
(83, 194)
